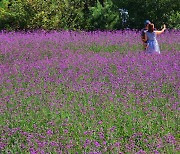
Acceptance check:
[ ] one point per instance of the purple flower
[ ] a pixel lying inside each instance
(56, 88)
(87, 142)
(170, 139)
(156, 152)
(54, 144)
(65, 131)
(141, 152)
(49, 132)
(97, 144)
(32, 151)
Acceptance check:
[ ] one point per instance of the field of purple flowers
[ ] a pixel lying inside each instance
(88, 92)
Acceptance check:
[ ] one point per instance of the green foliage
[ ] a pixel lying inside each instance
(2, 3)
(38, 14)
(86, 14)
(15, 15)
(73, 16)
(105, 17)
(174, 20)
(47, 14)
(157, 11)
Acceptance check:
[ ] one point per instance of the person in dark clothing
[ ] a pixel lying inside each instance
(146, 23)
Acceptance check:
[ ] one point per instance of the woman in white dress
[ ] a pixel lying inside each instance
(150, 37)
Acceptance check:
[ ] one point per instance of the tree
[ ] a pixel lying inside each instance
(87, 14)
(158, 11)
(105, 17)
(174, 20)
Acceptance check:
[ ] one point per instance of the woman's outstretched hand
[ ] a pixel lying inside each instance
(164, 27)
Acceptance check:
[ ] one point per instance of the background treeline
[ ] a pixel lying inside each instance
(87, 14)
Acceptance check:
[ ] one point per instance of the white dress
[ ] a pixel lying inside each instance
(152, 43)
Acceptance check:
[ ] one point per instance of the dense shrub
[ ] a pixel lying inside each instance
(105, 17)
(174, 20)
(86, 14)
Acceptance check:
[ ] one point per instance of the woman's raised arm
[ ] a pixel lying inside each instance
(161, 31)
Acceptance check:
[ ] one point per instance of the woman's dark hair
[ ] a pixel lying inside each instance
(151, 28)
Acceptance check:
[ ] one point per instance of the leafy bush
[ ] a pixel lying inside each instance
(105, 17)
(15, 15)
(174, 20)
(38, 14)
(47, 14)
(86, 14)
(73, 16)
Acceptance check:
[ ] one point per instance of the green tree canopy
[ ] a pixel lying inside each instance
(87, 14)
